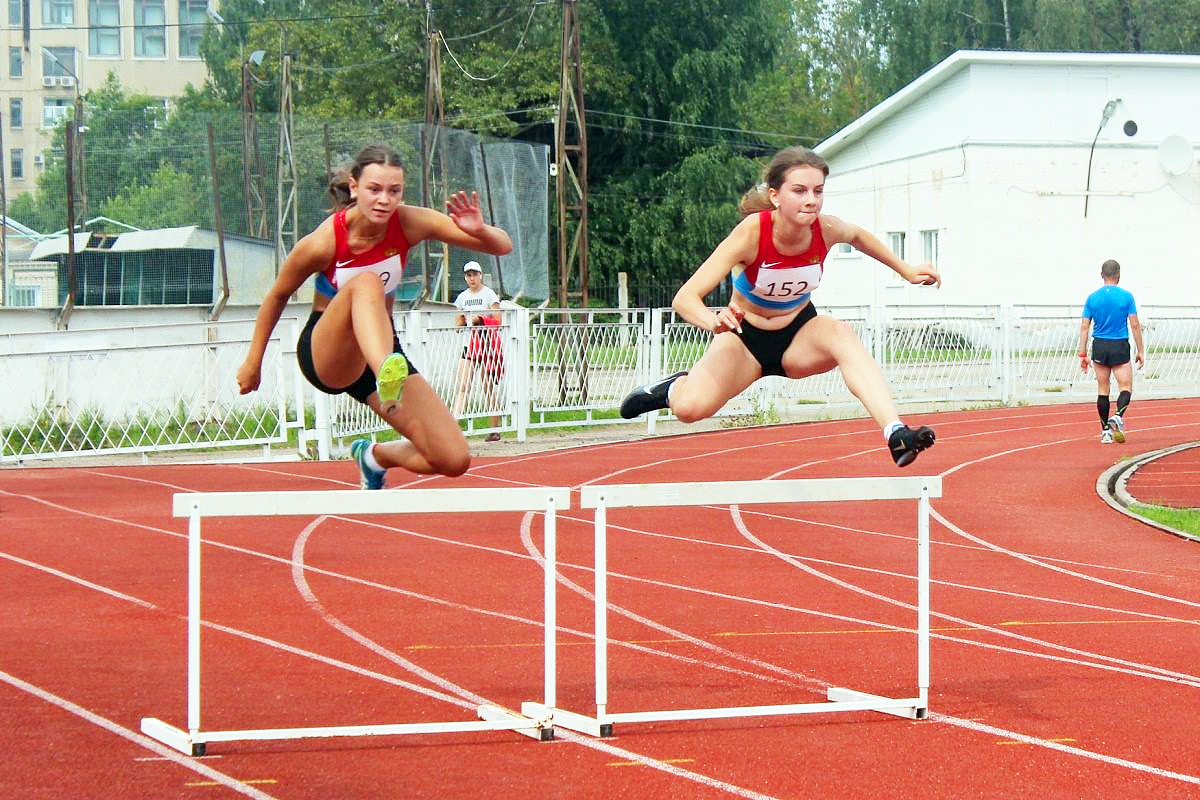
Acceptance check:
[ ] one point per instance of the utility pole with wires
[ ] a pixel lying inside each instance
(570, 169)
(252, 177)
(434, 189)
(288, 216)
(570, 148)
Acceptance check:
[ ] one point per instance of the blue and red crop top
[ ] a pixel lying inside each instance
(386, 259)
(776, 281)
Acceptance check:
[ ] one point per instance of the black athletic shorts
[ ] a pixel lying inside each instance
(1110, 352)
(768, 347)
(362, 388)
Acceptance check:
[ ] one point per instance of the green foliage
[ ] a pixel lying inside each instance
(169, 198)
(1181, 519)
(684, 98)
(664, 226)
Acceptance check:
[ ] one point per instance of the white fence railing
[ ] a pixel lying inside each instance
(172, 387)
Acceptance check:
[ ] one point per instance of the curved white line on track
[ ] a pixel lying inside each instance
(82, 582)
(1190, 680)
(306, 592)
(1037, 562)
(980, 727)
(301, 583)
(804, 680)
(141, 741)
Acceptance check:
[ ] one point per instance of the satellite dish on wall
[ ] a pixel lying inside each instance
(1175, 155)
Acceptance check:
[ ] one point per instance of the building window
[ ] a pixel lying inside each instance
(897, 242)
(16, 162)
(58, 12)
(16, 113)
(54, 109)
(104, 31)
(150, 31)
(193, 15)
(25, 296)
(60, 62)
(14, 13)
(929, 246)
(15, 66)
(140, 278)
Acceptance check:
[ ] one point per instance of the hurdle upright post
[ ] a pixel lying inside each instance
(601, 611)
(193, 626)
(716, 493)
(194, 506)
(923, 601)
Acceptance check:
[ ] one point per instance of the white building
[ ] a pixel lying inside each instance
(1019, 173)
(58, 50)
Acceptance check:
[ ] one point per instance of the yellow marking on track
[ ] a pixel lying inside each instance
(1018, 622)
(214, 783)
(848, 631)
(1060, 740)
(834, 632)
(657, 760)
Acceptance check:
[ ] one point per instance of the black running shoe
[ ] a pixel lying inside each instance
(906, 442)
(650, 397)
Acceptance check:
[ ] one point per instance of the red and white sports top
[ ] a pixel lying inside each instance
(386, 259)
(776, 281)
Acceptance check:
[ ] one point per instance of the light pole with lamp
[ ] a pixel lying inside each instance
(1109, 108)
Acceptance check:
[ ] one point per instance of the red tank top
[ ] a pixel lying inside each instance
(774, 280)
(386, 259)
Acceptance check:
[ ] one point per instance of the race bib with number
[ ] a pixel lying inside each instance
(388, 271)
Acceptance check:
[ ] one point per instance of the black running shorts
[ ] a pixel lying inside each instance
(768, 347)
(1110, 352)
(362, 388)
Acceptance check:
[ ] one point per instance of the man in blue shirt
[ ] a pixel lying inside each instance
(1114, 313)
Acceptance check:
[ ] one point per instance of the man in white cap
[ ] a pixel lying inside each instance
(483, 352)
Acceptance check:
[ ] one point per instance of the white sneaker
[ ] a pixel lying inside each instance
(1117, 426)
(1106, 437)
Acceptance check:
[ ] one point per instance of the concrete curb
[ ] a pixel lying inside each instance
(1112, 482)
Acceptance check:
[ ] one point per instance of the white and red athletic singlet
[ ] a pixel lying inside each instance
(777, 281)
(386, 259)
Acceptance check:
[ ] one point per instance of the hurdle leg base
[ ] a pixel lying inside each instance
(837, 694)
(544, 732)
(171, 736)
(568, 719)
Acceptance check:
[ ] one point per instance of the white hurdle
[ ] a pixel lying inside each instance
(195, 506)
(602, 498)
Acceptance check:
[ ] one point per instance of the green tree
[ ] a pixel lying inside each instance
(168, 198)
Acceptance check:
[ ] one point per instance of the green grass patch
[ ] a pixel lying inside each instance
(1181, 519)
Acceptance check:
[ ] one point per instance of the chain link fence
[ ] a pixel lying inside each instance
(173, 387)
(254, 180)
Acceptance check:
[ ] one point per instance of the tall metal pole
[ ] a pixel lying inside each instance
(434, 189)
(288, 215)
(571, 166)
(256, 218)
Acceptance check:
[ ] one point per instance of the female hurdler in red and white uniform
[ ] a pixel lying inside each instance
(349, 344)
(771, 327)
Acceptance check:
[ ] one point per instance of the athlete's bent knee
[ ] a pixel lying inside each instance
(690, 411)
(452, 464)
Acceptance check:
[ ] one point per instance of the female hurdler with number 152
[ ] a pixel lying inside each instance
(771, 327)
(349, 344)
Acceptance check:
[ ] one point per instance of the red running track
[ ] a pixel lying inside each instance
(1171, 480)
(1065, 657)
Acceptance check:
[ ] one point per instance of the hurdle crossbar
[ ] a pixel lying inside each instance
(198, 505)
(602, 498)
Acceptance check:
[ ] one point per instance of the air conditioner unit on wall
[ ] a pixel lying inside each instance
(66, 80)
(49, 80)
(39, 160)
